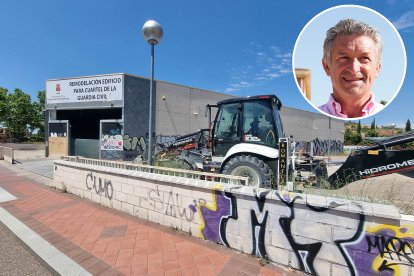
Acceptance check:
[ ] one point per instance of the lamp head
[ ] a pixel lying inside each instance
(152, 32)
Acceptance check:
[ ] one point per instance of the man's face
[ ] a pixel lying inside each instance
(354, 65)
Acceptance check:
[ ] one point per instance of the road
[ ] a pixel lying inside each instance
(16, 259)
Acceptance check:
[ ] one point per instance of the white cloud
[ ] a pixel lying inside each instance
(266, 64)
(238, 86)
(230, 90)
(405, 21)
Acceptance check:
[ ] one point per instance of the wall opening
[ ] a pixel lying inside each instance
(84, 128)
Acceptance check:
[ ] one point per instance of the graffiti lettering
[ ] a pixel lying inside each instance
(134, 143)
(319, 147)
(258, 228)
(170, 206)
(392, 246)
(305, 253)
(100, 186)
(216, 217)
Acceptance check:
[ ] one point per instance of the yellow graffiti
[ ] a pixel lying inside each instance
(400, 232)
(212, 207)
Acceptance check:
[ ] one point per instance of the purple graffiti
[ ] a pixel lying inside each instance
(392, 244)
(212, 216)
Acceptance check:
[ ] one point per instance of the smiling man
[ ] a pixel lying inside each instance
(352, 59)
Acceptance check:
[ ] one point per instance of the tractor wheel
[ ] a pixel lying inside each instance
(259, 173)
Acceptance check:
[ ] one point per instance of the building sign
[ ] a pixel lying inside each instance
(88, 89)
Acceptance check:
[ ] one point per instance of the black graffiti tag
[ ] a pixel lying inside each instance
(99, 185)
(393, 247)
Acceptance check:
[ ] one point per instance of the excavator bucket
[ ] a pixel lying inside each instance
(375, 160)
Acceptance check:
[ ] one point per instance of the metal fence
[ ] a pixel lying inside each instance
(214, 177)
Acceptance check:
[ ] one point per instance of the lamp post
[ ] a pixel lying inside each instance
(152, 32)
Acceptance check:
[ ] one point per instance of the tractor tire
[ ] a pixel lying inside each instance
(259, 173)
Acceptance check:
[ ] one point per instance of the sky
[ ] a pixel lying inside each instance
(239, 47)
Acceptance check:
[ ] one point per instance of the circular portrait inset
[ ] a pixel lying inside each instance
(349, 62)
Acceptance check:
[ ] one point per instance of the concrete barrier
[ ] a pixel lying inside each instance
(315, 234)
(24, 146)
(7, 154)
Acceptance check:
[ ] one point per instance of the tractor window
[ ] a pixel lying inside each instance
(278, 122)
(258, 123)
(227, 124)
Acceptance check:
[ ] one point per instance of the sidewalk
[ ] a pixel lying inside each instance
(102, 241)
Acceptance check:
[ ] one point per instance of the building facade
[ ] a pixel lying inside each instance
(106, 116)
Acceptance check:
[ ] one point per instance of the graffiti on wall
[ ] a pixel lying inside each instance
(388, 248)
(214, 217)
(133, 146)
(319, 147)
(134, 143)
(100, 185)
(169, 204)
(364, 250)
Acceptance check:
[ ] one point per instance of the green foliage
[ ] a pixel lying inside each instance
(373, 127)
(408, 125)
(372, 133)
(352, 138)
(359, 127)
(19, 114)
(38, 118)
(3, 104)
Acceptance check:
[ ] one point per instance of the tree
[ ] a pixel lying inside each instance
(359, 127)
(373, 127)
(3, 104)
(348, 136)
(372, 133)
(351, 138)
(19, 114)
(408, 125)
(39, 120)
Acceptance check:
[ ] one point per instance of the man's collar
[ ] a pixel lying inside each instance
(335, 108)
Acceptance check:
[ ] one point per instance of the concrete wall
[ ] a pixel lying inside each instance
(180, 109)
(312, 131)
(318, 235)
(37, 146)
(7, 154)
(306, 126)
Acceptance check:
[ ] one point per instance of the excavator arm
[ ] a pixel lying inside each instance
(375, 160)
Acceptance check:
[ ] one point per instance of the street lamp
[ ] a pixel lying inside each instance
(152, 32)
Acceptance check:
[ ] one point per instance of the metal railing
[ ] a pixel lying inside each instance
(7, 154)
(206, 176)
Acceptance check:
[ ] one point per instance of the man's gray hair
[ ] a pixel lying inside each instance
(351, 27)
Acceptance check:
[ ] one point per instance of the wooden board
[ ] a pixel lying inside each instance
(58, 146)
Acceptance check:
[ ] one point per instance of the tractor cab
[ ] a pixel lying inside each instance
(252, 120)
